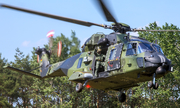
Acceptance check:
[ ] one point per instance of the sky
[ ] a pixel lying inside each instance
(25, 31)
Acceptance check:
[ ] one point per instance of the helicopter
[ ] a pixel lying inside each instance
(116, 61)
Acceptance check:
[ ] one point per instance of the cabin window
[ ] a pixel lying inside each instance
(131, 49)
(79, 63)
(112, 54)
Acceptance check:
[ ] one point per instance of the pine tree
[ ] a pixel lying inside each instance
(23, 82)
(5, 91)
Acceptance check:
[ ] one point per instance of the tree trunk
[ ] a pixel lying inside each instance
(98, 101)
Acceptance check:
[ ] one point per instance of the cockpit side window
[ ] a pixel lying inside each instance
(131, 49)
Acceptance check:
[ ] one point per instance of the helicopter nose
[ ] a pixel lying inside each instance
(153, 58)
(157, 62)
(156, 58)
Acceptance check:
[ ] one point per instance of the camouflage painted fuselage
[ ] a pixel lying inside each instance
(122, 67)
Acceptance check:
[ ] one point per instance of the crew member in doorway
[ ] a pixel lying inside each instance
(99, 61)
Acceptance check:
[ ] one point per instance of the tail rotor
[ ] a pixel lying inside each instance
(43, 55)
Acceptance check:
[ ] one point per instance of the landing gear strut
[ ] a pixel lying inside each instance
(122, 96)
(153, 82)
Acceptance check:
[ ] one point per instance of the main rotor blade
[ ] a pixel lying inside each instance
(84, 23)
(156, 30)
(107, 13)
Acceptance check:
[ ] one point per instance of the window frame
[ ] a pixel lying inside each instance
(113, 51)
(131, 49)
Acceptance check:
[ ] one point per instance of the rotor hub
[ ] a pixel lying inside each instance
(121, 27)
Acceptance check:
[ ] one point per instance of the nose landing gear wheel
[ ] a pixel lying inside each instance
(150, 84)
(79, 87)
(122, 97)
(156, 86)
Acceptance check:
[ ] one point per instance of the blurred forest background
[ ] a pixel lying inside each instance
(21, 91)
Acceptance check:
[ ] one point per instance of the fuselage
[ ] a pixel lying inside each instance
(124, 62)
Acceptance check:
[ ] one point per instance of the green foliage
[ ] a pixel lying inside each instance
(5, 90)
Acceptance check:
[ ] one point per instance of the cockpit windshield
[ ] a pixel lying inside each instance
(158, 49)
(143, 47)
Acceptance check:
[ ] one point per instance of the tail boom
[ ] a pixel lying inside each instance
(23, 72)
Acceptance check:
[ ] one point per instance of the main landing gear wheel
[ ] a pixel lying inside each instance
(122, 97)
(79, 87)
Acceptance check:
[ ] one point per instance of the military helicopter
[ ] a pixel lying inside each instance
(116, 61)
